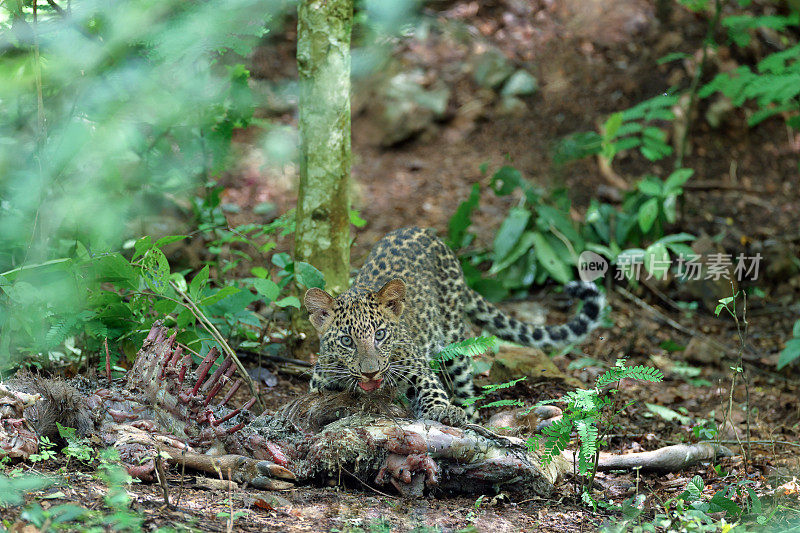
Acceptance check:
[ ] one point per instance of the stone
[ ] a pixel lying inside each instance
(513, 362)
(701, 350)
(521, 83)
(406, 107)
(491, 68)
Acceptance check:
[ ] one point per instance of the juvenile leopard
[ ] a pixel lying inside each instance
(407, 302)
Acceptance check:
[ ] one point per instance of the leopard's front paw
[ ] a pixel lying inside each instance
(449, 414)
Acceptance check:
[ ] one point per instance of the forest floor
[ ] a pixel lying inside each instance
(591, 58)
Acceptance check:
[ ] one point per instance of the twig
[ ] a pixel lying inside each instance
(161, 475)
(298, 372)
(721, 186)
(370, 487)
(666, 299)
(229, 522)
(276, 358)
(108, 361)
(183, 477)
(762, 442)
(57, 8)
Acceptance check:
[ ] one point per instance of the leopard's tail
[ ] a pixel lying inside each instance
(489, 317)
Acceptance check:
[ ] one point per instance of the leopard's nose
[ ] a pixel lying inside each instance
(369, 375)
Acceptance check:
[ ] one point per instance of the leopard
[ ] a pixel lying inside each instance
(407, 303)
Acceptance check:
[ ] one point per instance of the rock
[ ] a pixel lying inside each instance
(405, 107)
(719, 111)
(701, 350)
(491, 68)
(510, 105)
(521, 83)
(512, 362)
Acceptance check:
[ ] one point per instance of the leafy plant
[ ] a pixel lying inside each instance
(112, 114)
(77, 447)
(538, 239)
(46, 451)
(588, 413)
(773, 86)
(635, 127)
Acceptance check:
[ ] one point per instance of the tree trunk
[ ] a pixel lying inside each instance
(323, 205)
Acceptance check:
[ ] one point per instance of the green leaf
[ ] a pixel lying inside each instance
(656, 260)
(668, 414)
(114, 268)
(155, 270)
(308, 276)
(550, 217)
(198, 283)
(503, 403)
(796, 329)
(790, 353)
(259, 272)
(650, 187)
(520, 248)
(676, 237)
(647, 214)
(505, 180)
(670, 208)
(550, 261)
(62, 264)
(611, 126)
(169, 239)
(677, 179)
(267, 288)
(218, 295)
(462, 219)
(510, 231)
(674, 56)
(466, 348)
(142, 245)
(722, 502)
(356, 220)
(289, 301)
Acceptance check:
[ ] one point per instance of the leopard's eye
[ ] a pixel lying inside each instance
(380, 334)
(346, 341)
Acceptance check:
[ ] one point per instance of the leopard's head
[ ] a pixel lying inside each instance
(358, 333)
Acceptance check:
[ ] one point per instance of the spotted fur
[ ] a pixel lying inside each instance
(407, 302)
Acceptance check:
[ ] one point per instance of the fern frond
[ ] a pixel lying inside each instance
(503, 403)
(554, 446)
(466, 348)
(587, 432)
(582, 400)
(488, 389)
(644, 373)
(96, 329)
(60, 330)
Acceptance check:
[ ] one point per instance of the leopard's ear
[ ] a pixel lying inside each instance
(393, 296)
(320, 308)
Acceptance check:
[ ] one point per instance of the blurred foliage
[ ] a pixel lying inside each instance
(109, 113)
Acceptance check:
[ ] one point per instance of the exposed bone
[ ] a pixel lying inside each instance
(667, 459)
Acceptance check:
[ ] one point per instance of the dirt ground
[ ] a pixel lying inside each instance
(591, 58)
